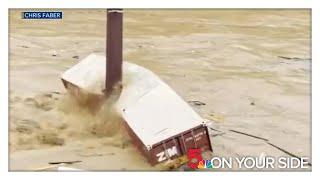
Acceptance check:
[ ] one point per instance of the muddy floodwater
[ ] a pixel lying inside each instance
(247, 72)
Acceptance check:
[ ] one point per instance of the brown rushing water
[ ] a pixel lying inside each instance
(228, 59)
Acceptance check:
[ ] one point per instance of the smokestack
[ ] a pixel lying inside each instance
(114, 50)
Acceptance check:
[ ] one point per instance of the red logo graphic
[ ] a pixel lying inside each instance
(194, 156)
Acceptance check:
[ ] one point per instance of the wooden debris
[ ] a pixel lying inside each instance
(287, 152)
(293, 58)
(271, 144)
(197, 103)
(64, 162)
(75, 57)
(248, 135)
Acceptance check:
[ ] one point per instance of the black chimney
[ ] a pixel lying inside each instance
(114, 50)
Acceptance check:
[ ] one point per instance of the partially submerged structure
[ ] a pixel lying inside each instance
(161, 124)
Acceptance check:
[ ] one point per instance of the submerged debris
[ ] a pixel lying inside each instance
(64, 162)
(44, 101)
(24, 46)
(246, 134)
(197, 103)
(216, 117)
(75, 57)
(50, 138)
(293, 58)
(15, 99)
(26, 126)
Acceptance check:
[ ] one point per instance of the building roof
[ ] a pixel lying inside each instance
(149, 106)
